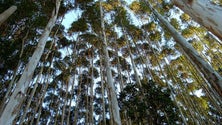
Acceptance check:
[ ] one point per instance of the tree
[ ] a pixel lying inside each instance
(110, 45)
(4, 16)
(210, 74)
(111, 87)
(19, 93)
(204, 12)
(136, 101)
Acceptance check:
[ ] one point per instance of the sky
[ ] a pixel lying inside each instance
(74, 14)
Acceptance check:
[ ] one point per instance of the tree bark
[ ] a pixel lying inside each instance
(103, 91)
(204, 12)
(91, 119)
(5, 15)
(65, 103)
(110, 81)
(209, 73)
(19, 93)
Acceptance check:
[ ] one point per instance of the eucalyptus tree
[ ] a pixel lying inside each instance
(105, 38)
(145, 111)
(138, 7)
(204, 12)
(210, 74)
(5, 15)
(114, 102)
(19, 93)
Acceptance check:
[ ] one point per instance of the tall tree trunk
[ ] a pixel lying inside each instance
(79, 91)
(204, 12)
(65, 102)
(209, 73)
(132, 61)
(91, 119)
(4, 16)
(70, 103)
(111, 87)
(11, 84)
(103, 91)
(19, 93)
(30, 98)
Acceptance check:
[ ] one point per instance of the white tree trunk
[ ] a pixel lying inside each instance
(209, 73)
(4, 16)
(204, 12)
(91, 119)
(110, 81)
(19, 93)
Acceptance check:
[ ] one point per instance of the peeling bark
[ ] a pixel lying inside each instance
(204, 12)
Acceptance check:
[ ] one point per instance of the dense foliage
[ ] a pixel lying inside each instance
(149, 104)
(111, 49)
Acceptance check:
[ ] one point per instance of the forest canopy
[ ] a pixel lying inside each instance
(119, 62)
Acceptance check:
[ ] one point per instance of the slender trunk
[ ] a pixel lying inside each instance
(169, 86)
(71, 98)
(119, 70)
(77, 100)
(110, 107)
(91, 89)
(42, 99)
(30, 98)
(4, 16)
(87, 104)
(9, 91)
(11, 85)
(103, 91)
(204, 12)
(132, 60)
(56, 121)
(134, 65)
(111, 87)
(65, 104)
(19, 93)
(209, 73)
(40, 96)
(34, 89)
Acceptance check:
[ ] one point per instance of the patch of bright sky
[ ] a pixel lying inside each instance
(70, 17)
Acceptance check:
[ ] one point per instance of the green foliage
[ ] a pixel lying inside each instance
(185, 17)
(148, 104)
(219, 2)
(121, 42)
(121, 18)
(155, 36)
(198, 45)
(135, 6)
(70, 61)
(135, 32)
(82, 3)
(9, 55)
(92, 16)
(139, 7)
(78, 26)
(107, 7)
(5, 4)
(175, 23)
(187, 33)
(91, 38)
(150, 26)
